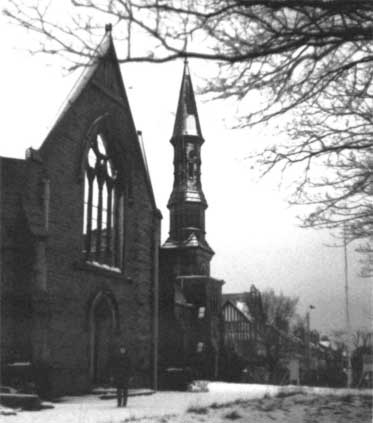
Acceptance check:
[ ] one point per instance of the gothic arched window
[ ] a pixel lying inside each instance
(103, 208)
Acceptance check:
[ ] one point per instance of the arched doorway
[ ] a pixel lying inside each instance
(103, 325)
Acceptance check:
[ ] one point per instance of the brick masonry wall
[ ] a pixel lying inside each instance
(15, 271)
(72, 286)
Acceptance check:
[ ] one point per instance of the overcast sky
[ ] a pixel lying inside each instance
(249, 224)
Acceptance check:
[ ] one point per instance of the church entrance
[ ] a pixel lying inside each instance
(103, 323)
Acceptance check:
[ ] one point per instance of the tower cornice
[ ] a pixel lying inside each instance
(197, 139)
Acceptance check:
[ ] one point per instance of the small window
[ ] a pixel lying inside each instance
(103, 208)
(201, 312)
(190, 170)
(214, 302)
(200, 347)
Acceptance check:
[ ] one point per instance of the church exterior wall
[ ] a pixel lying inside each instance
(71, 282)
(15, 264)
(64, 306)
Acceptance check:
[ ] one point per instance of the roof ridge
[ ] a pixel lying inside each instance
(88, 70)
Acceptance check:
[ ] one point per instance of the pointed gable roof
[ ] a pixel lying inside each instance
(187, 120)
(105, 54)
(105, 46)
(238, 312)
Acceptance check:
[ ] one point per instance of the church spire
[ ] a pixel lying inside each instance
(187, 203)
(187, 120)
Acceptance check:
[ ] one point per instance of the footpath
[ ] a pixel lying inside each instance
(92, 409)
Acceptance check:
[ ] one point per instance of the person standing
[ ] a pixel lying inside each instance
(121, 370)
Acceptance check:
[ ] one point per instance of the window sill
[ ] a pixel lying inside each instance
(102, 270)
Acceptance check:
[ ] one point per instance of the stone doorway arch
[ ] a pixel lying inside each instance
(103, 322)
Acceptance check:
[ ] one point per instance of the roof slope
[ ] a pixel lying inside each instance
(105, 53)
(187, 119)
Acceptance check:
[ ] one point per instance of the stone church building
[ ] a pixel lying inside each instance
(82, 269)
(80, 240)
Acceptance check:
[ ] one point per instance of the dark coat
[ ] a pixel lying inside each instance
(121, 369)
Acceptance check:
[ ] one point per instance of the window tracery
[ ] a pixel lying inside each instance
(103, 208)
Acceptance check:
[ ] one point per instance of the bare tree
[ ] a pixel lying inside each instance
(366, 269)
(312, 59)
(278, 313)
(279, 309)
(363, 338)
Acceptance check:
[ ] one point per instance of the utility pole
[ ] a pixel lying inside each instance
(308, 333)
(348, 322)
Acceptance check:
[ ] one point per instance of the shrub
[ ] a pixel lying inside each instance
(233, 415)
(198, 410)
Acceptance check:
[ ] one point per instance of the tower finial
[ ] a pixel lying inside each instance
(108, 28)
(186, 66)
(186, 49)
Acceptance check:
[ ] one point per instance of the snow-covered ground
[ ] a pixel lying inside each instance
(223, 402)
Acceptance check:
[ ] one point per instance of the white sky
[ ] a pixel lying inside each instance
(249, 225)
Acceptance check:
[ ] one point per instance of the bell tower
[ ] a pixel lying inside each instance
(187, 203)
(189, 298)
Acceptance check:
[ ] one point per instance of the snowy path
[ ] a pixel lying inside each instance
(90, 409)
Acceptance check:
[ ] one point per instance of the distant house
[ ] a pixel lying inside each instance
(248, 336)
(257, 351)
(244, 336)
(241, 332)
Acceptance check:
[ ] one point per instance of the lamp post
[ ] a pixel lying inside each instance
(308, 329)
(348, 322)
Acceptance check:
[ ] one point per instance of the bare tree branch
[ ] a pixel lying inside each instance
(310, 59)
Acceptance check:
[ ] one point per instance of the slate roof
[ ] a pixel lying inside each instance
(187, 120)
(102, 49)
(191, 241)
